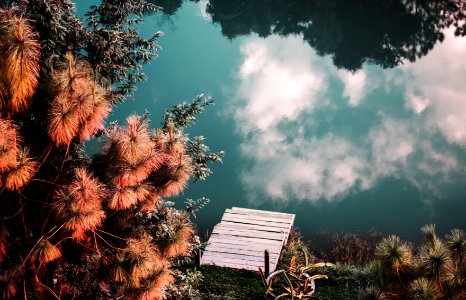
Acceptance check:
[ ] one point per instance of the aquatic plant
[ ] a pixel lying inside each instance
(74, 226)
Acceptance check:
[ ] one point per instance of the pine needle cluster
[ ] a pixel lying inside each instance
(19, 66)
(16, 166)
(80, 104)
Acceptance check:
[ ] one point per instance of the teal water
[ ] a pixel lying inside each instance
(350, 116)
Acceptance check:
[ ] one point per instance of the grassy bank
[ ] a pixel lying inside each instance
(389, 269)
(217, 283)
(226, 283)
(345, 282)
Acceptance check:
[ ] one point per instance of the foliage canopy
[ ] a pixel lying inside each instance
(74, 226)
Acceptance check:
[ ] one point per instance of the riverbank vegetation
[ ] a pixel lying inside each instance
(74, 226)
(392, 269)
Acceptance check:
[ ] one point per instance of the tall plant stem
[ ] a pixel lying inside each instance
(46, 153)
(20, 32)
(437, 277)
(63, 163)
(108, 244)
(21, 217)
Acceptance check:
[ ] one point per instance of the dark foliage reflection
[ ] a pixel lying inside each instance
(384, 32)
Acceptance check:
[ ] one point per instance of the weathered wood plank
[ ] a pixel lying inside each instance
(232, 256)
(246, 242)
(233, 265)
(277, 217)
(232, 260)
(239, 264)
(232, 239)
(241, 237)
(250, 252)
(264, 228)
(258, 218)
(250, 233)
(243, 246)
(235, 262)
(245, 220)
(263, 212)
(227, 225)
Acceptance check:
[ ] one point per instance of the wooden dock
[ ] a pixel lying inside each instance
(242, 236)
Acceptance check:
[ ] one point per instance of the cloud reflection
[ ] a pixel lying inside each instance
(276, 84)
(437, 82)
(285, 93)
(355, 85)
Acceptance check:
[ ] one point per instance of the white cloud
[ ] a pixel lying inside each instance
(354, 85)
(202, 5)
(283, 95)
(416, 103)
(277, 87)
(438, 83)
(276, 83)
(391, 144)
(326, 167)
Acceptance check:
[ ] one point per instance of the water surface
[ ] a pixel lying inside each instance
(350, 115)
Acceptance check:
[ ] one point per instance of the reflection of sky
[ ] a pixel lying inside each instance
(300, 119)
(344, 151)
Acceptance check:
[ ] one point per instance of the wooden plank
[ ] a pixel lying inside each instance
(274, 216)
(234, 225)
(241, 237)
(250, 252)
(230, 225)
(250, 233)
(226, 225)
(258, 218)
(253, 220)
(232, 256)
(289, 231)
(239, 264)
(244, 242)
(263, 235)
(233, 239)
(246, 220)
(245, 246)
(279, 219)
(263, 212)
(233, 261)
(233, 265)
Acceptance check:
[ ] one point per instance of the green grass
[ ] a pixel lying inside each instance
(345, 282)
(226, 283)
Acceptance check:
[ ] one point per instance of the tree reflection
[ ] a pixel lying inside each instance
(169, 6)
(385, 32)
